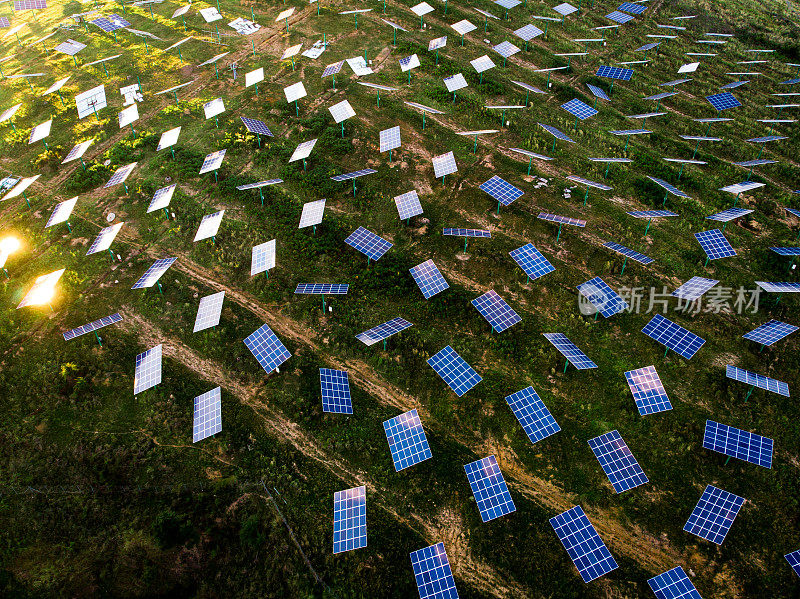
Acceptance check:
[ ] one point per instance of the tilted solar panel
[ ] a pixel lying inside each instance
(466, 232)
(432, 573)
(738, 443)
(614, 73)
(714, 244)
(207, 415)
(267, 348)
(335, 389)
(92, 326)
(458, 375)
(570, 351)
(496, 311)
(694, 288)
(152, 274)
(617, 461)
(674, 336)
(579, 109)
(501, 190)
(673, 584)
(534, 417)
(209, 311)
(723, 101)
(584, 546)
(368, 243)
(407, 441)
(714, 514)
(628, 252)
(531, 261)
(383, 331)
(350, 519)
(648, 391)
(794, 560)
(607, 301)
(757, 380)
(428, 278)
(322, 288)
(770, 332)
(489, 488)
(148, 370)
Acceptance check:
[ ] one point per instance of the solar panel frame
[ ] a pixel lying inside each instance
(409, 62)
(738, 443)
(322, 288)
(757, 380)
(335, 391)
(368, 243)
(779, 286)
(40, 285)
(531, 413)
(694, 288)
(350, 519)
(770, 332)
(579, 109)
(714, 244)
(353, 175)
(463, 27)
(303, 150)
(729, 214)
(482, 64)
(565, 9)
(618, 73)
(428, 278)
(454, 370)
(209, 225)
(723, 101)
(256, 126)
(506, 49)
(501, 190)
(455, 82)
(408, 444)
(209, 311)
(617, 461)
(207, 415)
(213, 161)
(668, 187)
(531, 261)
(584, 546)
(93, 326)
(714, 514)
(444, 164)
(648, 391)
(383, 331)
(295, 91)
(673, 584)
(651, 213)
(794, 560)
(556, 133)
(466, 232)
(598, 92)
(607, 301)
(528, 32)
(489, 488)
(619, 17)
(561, 220)
(432, 573)
(496, 311)
(341, 111)
(121, 175)
(267, 349)
(672, 335)
(147, 372)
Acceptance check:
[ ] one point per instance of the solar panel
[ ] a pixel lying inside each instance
(61, 212)
(607, 301)
(335, 387)
(496, 311)
(694, 288)
(631, 132)
(632, 7)
(651, 213)
(4, 22)
(409, 62)
(619, 17)
(110, 23)
(579, 109)
(368, 243)
(455, 82)
(70, 47)
(121, 175)
(40, 131)
(531, 261)
(9, 112)
(714, 514)
(428, 278)
(256, 126)
(614, 73)
(389, 139)
(561, 220)
(674, 336)
(312, 214)
(794, 560)
(738, 443)
(383, 331)
(673, 584)
(350, 519)
(212, 161)
(755, 162)
(589, 183)
(770, 332)
(322, 288)
(482, 63)
(584, 546)
(303, 150)
(648, 391)
(506, 49)
(432, 573)
(565, 8)
(458, 375)
(714, 244)
(628, 252)
(153, 274)
(723, 101)
(295, 91)
(444, 164)
(501, 190)
(439, 42)
(342, 111)
(104, 239)
(463, 27)
(209, 311)
(332, 68)
(161, 198)
(42, 289)
(757, 380)
(408, 205)
(92, 326)
(148, 370)
(489, 488)
(528, 32)
(529, 409)
(556, 133)
(353, 175)
(598, 92)
(267, 348)
(669, 188)
(424, 108)
(779, 286)
(570, 351)
(423, 8)
(407, 441)
(617, 461)
(742, 187)
(209, 225)
(729, 214)
(30, 4)
(207, 415)
(466, 232)
(263, 257)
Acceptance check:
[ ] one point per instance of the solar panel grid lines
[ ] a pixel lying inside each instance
(389, 138)
(335, 390)
(104, 238)
(407, 441)
(673, 584)
(794, 560)
(729, 214)
(647, 390)
(152, 274)
(779, 286)
(110, 23)
(668, 187)
(342, 111)
(786, 251)
(742, 187)
(350, 519)
(463, 27)
(267, 348)
(534, 417)
(565, 9)
(757, 380)
(383, 331)
(409, 62)
(531, 261)
(598, 92)
(628, 252)
(428, 278)
(589, 183)
(631, 132)
(4, 22)
(714, 514)
(455, 82)
(570, 351)
(633, 8)
(501, 190)
(368, 243)
(408, 205)
(675, 337)
(482, 63)
(61, 212)
(496, 311)
(212, 162)
(738, 443)
(322, 289)
(148, 370)
(40, 131)
(506, 49)
(209, 225)
(436, 44)
(93, 326)
(694, 288)
(208, 311)
(256, 126)
(263, 257)
(607, 301)
(584, 546)
(617, 461)
(770, 332)
(444, 164)
(30, 4)
(489, 488)
(452, 368)
(562, 220)
(614, 73)
(466, 232)
(715, 244)
(579, 109)
(207, 415)
(619, 17)
(432, 573)
(556, 133)
(723, 101)
(121, 175)
(528, 32)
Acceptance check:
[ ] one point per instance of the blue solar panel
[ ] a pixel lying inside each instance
(651, 213)
(738, 443)
(354, 174)
(335, 387)
(771, 332)
(634, 9)
(562, 220)
(617, 461)
(648, 391)
(532, 414)
(625, 251)
(668, 187)
(598, 92)
(570, 351)
(779, 286)
(368, 243)
(794, 560)
(786, 251)
(614, 73)
(729, 214)
(584, 546)
(153, 274)
(673, 584)
(432, 573)
(715, 244)
(467, 232)
(723, 101)
(674, 336)
(207, 415)
(407, 440)
(408, 205)
(267, 348)
(428, 278)
(496, 311)
(758, 380)
(322, 288)
(531, 261)
(793, 211)
(459, 375)
(350, 519)
(110, 23)
(92, 326)
(607, 301)
(714, 514)
(501, 190)
(489, 488)
(579, 109)
(556, 133)
(256, 126)
(619, 17)
(383, 331)
(694, 288)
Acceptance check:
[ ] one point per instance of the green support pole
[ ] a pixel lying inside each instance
(530, 164)
(585, 197)
(394, 42)
(83, 164)
(475, 147)
(664, 201)
(323, 303)
(75, 60)
(465, 245)
(605, 175)
(481, 80)
(251, 41)
(624, 263)
(296, 109)
(707, 259)
(554, 146)
(342, 129)
(559, 234)
(647, 228)
(334, 82)
(565, 366)
(379, 98)
(105, 69)
(216, 70)
(749, 393)
(627, 140)
(176, 97)
(498, 208)
(160, 290)
(354, 188)
(665, 351)
(356, 21)
(423, 120)
(70, 230)
(680, 172)
(261, 194)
